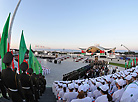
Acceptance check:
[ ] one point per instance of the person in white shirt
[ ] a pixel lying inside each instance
(93, 86)
(128, 79)
(59, 89)
(118, 94)
(114, 89)
(97, 92)
(105, 96)
(134, 76)
(81, 96)
(70, 95)
(130, 94)
(62, 92)
(76, 87)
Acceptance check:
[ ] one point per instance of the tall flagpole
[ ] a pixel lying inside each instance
(11, 24)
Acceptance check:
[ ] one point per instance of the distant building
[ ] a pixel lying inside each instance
(100, 51)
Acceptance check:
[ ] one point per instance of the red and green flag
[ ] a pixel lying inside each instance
(83, 52)
(22, 50)
(102, 52)
(3, 44)
(130, 63)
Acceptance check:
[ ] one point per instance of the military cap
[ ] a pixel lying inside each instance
(24, 66)
(30, 71)
(7, 58)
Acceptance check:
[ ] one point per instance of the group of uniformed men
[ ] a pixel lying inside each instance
(21, 87)
(118, 87)
(96, 71)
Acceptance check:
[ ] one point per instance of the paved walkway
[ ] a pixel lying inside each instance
(57, 70)
(48, 96)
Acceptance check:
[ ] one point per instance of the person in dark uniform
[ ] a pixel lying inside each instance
(26, 83)
(106, 70)
(11, 81)
(35, 85)
(3, 89)
(44, 82)
(40, 84)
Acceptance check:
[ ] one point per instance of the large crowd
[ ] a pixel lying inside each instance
(121, 86)
(24, 87)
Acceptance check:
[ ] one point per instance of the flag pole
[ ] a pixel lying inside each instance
(11, 24)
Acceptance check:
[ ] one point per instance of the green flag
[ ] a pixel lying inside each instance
(34, 63)
(130, 63)
(38, 67)
(135, 61)
(22, 49)
(31, 59)
(3, 44)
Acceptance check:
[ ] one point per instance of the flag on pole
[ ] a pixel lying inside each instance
(135, 61)
(130, 63)
(22, 50)
(41, 71)
(3, 44)
(36, 65)
(31, 59)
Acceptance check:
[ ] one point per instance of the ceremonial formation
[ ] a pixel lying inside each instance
(21, 87)
(118, 87)
(26, 82)
(77, 55)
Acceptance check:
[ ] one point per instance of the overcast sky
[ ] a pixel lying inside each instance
(71, 24)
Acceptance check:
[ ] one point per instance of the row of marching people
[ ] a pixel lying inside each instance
(21, 87)
(45, 70)
(118, 87)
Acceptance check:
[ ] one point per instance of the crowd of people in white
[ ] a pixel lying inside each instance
(118, 87)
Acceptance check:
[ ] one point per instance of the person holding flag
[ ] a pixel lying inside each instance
(11, 80)
(26, 83)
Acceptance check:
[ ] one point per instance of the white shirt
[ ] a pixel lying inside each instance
(61, 94)
(96, 94)
(86, 99)
(114, 89)
(130, 94)
(113, 83)
(60, 89)
(102, 98)
(117, 95)
(89, 94)
(93, 87)
(70, 96)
